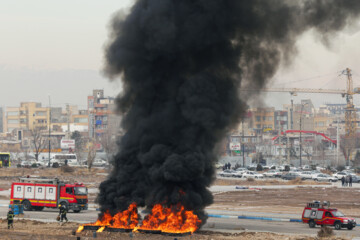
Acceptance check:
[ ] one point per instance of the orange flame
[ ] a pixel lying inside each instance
(174, 219)
(125, 219)
(100, 229)
(80, 228)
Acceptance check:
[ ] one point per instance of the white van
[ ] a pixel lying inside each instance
(61, 157)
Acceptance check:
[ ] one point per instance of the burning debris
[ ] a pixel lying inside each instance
(181, 63)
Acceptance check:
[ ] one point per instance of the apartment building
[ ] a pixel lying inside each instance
(101, 113)
(262, 119)
(28, 116)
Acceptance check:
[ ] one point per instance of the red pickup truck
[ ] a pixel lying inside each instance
(317, 213)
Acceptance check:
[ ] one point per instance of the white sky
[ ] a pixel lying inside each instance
(56, 48)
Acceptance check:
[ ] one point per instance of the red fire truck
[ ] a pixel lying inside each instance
(317, 213)
(37, 193)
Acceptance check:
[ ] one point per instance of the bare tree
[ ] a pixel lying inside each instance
(38, 141)
(108, 142)
(80, 144)
(91, 155)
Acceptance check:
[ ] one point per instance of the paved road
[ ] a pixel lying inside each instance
(214, 224)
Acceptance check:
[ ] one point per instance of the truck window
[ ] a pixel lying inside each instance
(328, 214)
(307, 213)
(69, 190)
(313, 214)
(29, 189)
(319, 214)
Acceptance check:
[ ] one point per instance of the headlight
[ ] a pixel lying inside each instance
(345, 221)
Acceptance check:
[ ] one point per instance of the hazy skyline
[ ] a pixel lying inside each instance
(56, 48)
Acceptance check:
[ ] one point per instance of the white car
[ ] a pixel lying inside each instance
(251, 174)
(305, 175)
(325, 178)
(99, 163)
(339, 175)
(227, 173)
(238, 174)
(272, 173)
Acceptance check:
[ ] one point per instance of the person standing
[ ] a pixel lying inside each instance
(62, 213)
(343, 181)
(10, 218)
(350, 181)
(346, 180)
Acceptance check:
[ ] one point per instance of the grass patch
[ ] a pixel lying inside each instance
(325, 232)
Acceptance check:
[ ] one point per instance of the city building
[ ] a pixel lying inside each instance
(102, 119)
(28, 116)
(1, 120)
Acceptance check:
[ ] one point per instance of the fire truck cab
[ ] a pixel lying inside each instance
(37, 193)
(317, 213)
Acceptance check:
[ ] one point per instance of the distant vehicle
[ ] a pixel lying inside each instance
(237, 173)
(290, 176)
(320, 168)
(251, 174)
(305, 175)
(227, 173)
(5, 159)
(316, 213)
(306, 167)
(339, 175)
(272, 173)
(325, 178)
(100, 163)
(355, 179)
(61, 157)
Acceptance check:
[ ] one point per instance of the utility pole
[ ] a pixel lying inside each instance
(337, 142)
(301, 113)
(242, 142)
(49, 130)
(291, 113)
(68, 120)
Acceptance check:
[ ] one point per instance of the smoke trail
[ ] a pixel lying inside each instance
(181, 63)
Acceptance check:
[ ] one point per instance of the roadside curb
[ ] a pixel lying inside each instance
(259, 218)
(256, 218)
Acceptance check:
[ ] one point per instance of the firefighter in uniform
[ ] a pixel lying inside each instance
(62, 213)
(10, 218)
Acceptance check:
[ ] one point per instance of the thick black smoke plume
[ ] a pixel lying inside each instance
(182, 63)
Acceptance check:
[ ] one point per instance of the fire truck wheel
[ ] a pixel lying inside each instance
(312, 224)
(38, 208)
(27, 205)
(337, 225)
(350, 227)
(77, 211)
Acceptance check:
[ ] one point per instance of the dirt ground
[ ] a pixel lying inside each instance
(281, 201)
(288, 200)
(54, 231)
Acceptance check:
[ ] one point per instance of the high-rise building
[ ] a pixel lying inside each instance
(101, 113)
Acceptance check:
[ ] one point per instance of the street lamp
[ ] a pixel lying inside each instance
(302, 107)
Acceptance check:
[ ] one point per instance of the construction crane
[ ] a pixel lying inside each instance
(350, 112)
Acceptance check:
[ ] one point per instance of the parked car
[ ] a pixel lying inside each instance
(325, 178)
(227, 173)
(355, 178)
(99, 163)
(272, 173)
(306, 167)
(290, 176)
(305, 175)
(339, 175)
(251, 174)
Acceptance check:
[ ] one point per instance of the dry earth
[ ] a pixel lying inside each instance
(54, 231)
